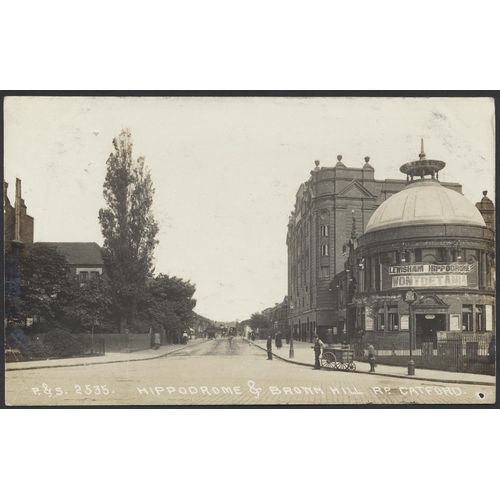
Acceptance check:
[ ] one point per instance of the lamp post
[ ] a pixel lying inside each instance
(291, 353)
(410, 297)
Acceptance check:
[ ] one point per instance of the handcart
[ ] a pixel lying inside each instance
(338, 358)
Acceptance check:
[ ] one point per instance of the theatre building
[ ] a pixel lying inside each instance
(432, 240)
(319, 230)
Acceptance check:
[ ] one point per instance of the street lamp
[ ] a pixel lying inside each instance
(409, 297)
(291, 354)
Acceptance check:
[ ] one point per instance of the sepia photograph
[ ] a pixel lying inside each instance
(159, 251)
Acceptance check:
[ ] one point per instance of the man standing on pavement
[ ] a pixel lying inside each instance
(318, 345)
(269, 348)
(371, 357)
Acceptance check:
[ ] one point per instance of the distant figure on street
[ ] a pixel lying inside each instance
(253, 337)
(185, 338)
(278, 341)
(230, 340)
(371, 357)
(156, 343)
(269, 348)
(318, 346)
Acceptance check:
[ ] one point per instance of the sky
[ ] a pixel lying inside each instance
(226, 171)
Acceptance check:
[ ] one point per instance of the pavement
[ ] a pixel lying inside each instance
(109, 357)
(303, 355)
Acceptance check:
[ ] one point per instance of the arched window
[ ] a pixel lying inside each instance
(429, 256)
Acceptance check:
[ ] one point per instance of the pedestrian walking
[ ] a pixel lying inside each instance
(371, 357)
(278, 341)
(318, 346)
(269, 348)
(253, 337)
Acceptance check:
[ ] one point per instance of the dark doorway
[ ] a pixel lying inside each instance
(427, 327)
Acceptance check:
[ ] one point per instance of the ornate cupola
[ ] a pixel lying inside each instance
(422, 167)
(424, 201)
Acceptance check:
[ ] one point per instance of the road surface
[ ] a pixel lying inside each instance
(217, 373)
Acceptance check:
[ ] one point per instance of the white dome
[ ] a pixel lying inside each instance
(425, 202)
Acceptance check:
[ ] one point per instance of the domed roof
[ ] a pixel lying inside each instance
(424, 202)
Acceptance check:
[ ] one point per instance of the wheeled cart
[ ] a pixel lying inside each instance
(338, 358)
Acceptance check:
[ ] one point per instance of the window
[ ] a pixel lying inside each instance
(94, 274)
(324, 250)
(325, 272)
(467, 317)
(480, 319)
(84, 276)
(324, 230)
(393, 321)
(441, 254)
(381, 320)
(429, 256)
(471, 256)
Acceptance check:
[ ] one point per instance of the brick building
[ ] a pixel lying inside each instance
(430, 240)
(279, 317)
(18, 225)
(18, 233)
(201, 324)
(319, 231)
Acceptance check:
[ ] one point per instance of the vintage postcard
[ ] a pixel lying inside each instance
(249, 251)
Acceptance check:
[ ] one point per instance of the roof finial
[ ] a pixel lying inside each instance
(339, 162)
(422, 152)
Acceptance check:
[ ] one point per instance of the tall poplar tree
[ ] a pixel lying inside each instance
(128, 227)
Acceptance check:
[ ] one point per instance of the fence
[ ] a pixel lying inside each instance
(474, 353)
(123, 342)
(94, 347)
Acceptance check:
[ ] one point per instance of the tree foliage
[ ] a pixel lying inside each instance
(128, 227)
(87, 304)
(258, 320)
(45, 281)
(168, 301)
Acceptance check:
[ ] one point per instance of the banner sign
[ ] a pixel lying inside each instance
(423, 275)
(369, 323)
(404, 320)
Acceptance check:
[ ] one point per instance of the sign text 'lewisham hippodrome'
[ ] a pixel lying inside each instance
(423, 275)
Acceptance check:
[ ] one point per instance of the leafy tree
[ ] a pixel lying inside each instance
(87, 303)
(168, 301)
(258, 320)
(44, 281)
(128, 227)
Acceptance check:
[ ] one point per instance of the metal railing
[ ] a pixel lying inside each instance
(467, 354)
